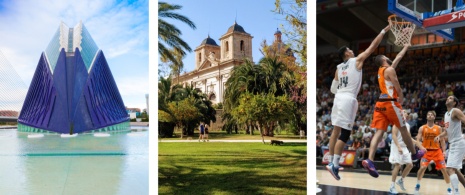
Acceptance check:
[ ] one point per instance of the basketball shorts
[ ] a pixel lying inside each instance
(396, 158)
(456, 154)
(386, 113)
(344, 110)
(437, 156)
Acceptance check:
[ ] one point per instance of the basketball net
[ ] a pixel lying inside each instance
(401, 29)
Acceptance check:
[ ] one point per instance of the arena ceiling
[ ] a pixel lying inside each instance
(343, 21)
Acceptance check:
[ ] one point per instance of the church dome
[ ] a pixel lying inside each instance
(209, 41)
(277, 31)
(236, 28)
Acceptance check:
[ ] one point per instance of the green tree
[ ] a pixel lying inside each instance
(202, 103)
(169, 34)
(296, 81)
(191, 108)
(263, 109)
(270, 76)
(166, 93)
(184, 112)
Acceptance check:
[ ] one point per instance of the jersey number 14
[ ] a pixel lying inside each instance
(343, 81)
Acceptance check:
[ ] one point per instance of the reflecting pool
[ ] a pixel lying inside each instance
(85, 164)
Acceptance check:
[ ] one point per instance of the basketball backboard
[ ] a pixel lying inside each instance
(417, 11)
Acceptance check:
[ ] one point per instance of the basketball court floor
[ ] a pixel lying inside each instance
(363, 184)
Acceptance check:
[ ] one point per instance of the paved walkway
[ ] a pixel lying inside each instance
(145, 124)
(225, 140)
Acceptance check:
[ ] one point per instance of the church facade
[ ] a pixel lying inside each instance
(213, 63)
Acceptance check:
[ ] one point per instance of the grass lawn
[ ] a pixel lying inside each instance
(231, 168)
(234, 136)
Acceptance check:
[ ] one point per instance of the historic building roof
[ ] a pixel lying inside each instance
(236, 28)
(209, 41)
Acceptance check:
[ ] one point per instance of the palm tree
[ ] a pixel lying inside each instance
(167, 93)
(275, 75)
(169, 34)
(202, 103)
(270, 76)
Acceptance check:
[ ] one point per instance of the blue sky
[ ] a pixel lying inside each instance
(119, 28)
(215, 17)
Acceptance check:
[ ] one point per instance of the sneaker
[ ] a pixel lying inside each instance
(400, 183)
(340, 168)
(333, 170)
(417, 189)
(418, 155)
(449, 191)
(370, 167)
(392, 190)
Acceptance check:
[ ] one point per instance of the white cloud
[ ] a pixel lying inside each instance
(120, 29)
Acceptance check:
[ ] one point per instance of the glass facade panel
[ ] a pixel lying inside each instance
(53, 50)
(88, 48)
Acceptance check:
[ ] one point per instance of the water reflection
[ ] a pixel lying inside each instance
(81, 165)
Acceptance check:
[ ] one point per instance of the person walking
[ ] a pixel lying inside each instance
(202, 131)
(206, 132)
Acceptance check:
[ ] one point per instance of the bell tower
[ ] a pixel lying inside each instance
(236, 44)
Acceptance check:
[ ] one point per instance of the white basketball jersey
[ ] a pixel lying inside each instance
(453, 127)
(350, 79)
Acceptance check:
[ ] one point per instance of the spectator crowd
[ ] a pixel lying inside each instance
(423, 91)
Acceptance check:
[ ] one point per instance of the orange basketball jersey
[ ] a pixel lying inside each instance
(429, 133)
(387, 88)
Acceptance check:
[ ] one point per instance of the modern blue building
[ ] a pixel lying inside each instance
(73, 90)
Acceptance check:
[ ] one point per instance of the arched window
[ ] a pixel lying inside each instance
(242, 45)
(227, 46)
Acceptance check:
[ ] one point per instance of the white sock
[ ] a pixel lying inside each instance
(418, 181)
(392, 184)
(330, 158)
(454, 180)
(336, 160)
(401, 179)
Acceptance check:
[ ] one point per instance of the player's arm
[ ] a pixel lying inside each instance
(400, 56)
(391, 74)
(418, 144)
(420, 134)
(456, 113)
(364, 55)
(335, 83)
(443, 144)
(440, 136)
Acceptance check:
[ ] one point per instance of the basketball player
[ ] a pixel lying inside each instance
(434, 152)
(400, 156)
(346, 85)
(388, 109)
(453, 123)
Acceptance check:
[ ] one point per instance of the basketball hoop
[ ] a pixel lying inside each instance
(401, 29)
